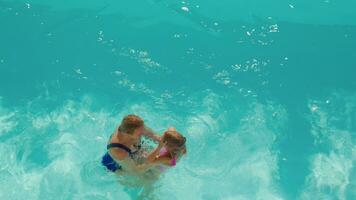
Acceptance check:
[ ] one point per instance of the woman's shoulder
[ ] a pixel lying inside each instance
(118, 154)
(113, 137)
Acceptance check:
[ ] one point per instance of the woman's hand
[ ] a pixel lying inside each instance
(151, 134)
(155, 152)
(161, 144)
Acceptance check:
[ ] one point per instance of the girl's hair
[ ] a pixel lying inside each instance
(174, 138)
(130, 123)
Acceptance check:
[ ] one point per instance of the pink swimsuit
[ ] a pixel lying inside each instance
(164, 152)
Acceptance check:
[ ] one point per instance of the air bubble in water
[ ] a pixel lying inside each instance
(184, 8)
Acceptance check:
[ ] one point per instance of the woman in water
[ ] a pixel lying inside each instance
(124, 146)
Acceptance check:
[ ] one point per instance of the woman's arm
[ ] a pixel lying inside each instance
(127, 163)
(152, 156)
(151, 134)
(163, 161)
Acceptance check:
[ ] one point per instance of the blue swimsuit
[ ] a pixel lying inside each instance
(109, 162)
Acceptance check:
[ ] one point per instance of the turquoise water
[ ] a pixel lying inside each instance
(264, 91)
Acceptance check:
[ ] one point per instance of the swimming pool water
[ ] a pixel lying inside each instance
(265, 93)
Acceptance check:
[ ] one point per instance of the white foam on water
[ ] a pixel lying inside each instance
(77, 146)
(143, 58)
(184, 8)
(234, 164)
(332, 173)
(254, 164)
(67, 136)
(41, 122)
(15, 182)
(7, 121)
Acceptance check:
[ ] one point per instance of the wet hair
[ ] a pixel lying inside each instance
(130, 123)
(174, 138)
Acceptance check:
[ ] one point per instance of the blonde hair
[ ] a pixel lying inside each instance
(174, 138)
(130, 123)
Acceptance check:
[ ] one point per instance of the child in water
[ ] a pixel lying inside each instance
(170, 149)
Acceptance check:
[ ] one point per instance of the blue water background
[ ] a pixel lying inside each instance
(264, 91)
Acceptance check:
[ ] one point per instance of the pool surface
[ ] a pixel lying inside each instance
(264, 91)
